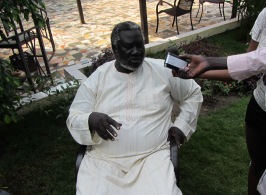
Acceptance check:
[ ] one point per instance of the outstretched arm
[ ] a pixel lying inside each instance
(239, 66)
(200, 64)
(224, 74)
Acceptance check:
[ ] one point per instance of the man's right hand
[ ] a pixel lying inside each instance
(102, 124)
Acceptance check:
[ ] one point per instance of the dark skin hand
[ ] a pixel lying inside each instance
(177, 134)
(200, 64)
(103, 125)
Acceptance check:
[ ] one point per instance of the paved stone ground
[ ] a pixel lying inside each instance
(77, 43)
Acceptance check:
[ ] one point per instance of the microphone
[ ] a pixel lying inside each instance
(172, 50)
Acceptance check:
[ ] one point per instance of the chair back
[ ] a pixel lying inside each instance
(185, 5)
(212, 1)
(179, 8)
(32, 36)
(22, 30)
(46, 32)
(17, 28)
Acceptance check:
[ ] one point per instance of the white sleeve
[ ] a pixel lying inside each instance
(188, 95)
(80, 110)
(262, 184)
(258, 27)
(243, 66)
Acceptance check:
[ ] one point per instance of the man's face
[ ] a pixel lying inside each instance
(130, 49)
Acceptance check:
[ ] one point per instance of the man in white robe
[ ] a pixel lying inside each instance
(123, 110)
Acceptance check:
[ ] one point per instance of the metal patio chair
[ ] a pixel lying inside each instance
(179, 8)
(20, 38)
(220, 2)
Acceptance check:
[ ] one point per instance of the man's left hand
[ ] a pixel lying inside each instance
(177, 134)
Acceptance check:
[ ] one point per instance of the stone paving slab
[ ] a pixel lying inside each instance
(77, 43)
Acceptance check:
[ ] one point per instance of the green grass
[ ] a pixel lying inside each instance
(38, 155)
(215, 160)
(230, 42)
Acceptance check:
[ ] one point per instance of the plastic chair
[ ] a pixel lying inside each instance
(201, 2)
(179, 8)
(173, 155)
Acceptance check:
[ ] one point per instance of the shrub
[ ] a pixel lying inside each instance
(58, 105)
(211, 88)
(9, 98)
(106, 56)
(200, 47)
(250, 10)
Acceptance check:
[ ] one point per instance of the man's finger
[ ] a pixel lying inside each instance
(114, 123)
(111, 135)
(111, 131)
(178, 143)
(105, 132)
(103, 135)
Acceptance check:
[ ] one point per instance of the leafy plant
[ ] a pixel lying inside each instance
(9, 98)
(201, 47)
(106, 56)
(58, 102)
(12, 10)
(207, 90)
(211, 88)
(249, 10)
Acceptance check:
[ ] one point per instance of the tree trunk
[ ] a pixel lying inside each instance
(234, 8)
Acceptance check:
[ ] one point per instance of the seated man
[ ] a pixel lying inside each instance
(123, 110)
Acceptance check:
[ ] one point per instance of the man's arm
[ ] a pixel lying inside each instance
(188, 95)
(86, 126)
(78, 118)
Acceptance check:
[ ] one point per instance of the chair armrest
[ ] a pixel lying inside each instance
(174, 158)
(80, 155)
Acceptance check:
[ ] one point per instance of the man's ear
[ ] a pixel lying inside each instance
(114, 48)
